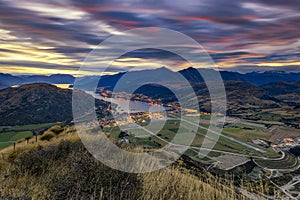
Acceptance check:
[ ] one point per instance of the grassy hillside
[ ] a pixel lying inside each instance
(61, 168)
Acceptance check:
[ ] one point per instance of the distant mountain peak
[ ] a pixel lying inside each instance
(163, 68)
(188, 69)
(61, 75)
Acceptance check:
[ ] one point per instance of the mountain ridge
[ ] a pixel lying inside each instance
(191, 74)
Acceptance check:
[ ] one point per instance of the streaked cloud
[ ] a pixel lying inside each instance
(55, 36)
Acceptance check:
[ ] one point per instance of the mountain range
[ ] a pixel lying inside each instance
(7, 80)
(255, 78)
(268, 96)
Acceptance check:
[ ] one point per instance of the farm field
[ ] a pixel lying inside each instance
(161, 137)
(8, 138)
(30, 127)
(13, 134)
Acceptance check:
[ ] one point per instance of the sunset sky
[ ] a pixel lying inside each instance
(54, 36)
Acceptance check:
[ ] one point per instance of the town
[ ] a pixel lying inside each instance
(288, 143)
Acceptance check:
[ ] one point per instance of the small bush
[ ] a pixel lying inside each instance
(56, 129)
(47, 136)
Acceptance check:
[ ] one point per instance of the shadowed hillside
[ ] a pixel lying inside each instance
(287, 92)
(37, 103)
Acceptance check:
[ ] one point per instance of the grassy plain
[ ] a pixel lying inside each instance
(11, 134)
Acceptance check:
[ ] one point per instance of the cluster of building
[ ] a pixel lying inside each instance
(123, 119)
(103, 92)
(171, 107)
(124, 96)
(144, 98)
(141, 117)
(288, 142)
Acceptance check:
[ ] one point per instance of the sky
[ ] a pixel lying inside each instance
(55, 36)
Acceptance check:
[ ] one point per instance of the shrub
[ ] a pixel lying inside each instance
(47, 136)
(56, 129)
(66, 171)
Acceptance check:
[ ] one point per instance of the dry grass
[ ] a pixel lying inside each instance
(61, 168)
(175, 183)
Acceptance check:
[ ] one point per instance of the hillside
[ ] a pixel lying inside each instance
(286, 92)
(157, 91)
(61, 168)
(2, 85)
(242, 97)
(282, 87)
(36, 103)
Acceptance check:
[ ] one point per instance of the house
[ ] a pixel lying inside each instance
(288, 139)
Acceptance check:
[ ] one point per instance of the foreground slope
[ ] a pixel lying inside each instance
(61, 168)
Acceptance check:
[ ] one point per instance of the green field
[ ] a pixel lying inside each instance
(8, 138)
(30, 127)
(113, 132)
(11, 134)
(205, 117)
(246, 135)
(243, 133)
(244, 126)
(223, 144)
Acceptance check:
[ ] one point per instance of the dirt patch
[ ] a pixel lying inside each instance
(230, 161)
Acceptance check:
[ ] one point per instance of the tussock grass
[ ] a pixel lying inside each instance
(63, 169)
(47, 136)
(175, 183)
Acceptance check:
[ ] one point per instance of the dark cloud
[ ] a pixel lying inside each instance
(223, 56)
(248, 31)
(42, 65)
(289, 4)
(152, 54)
(67, 49)
(274, 57)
